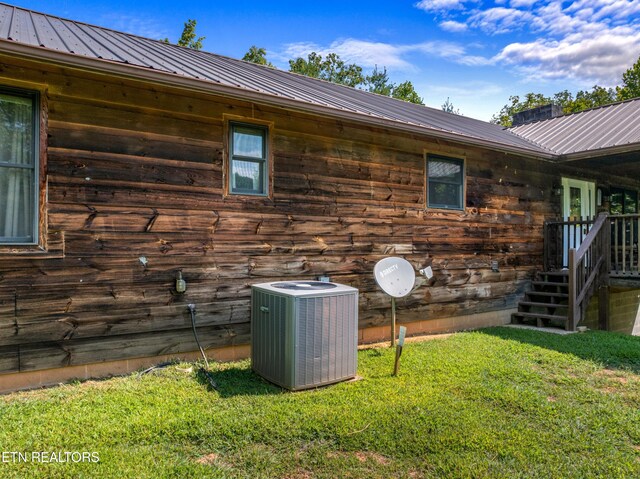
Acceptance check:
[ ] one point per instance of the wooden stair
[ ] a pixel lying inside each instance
(546, 304)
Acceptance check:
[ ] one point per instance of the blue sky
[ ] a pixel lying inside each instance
(476, 53)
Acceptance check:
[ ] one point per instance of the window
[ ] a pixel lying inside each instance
(248, 169)
(18, 167)
(445, 182)
(623, 202)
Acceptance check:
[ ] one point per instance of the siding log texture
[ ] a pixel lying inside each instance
(135, 194)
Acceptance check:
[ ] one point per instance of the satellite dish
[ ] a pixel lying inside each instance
(395, 276)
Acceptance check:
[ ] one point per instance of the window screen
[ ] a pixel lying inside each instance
(445, 182)
(18, 167)
(623, 202)
(248, 162)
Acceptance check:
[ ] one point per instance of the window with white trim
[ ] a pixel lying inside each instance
(445, 182)
(248, 158)
(18, 167)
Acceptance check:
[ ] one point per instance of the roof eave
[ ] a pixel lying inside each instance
(609, 151)
(209, 86)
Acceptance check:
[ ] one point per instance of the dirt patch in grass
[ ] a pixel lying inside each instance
(208, 460)
(301, 474)
(378, 458)
(360, 456)
(613, 375)
(214, 459)
(609, 381)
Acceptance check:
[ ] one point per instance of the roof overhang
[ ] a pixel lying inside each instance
(620, 162)
(135, 72)
(600, 153)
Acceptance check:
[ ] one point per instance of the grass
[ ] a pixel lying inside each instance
(497, 403)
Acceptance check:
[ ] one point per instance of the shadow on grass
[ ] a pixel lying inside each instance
(612, 350)
(236, 381)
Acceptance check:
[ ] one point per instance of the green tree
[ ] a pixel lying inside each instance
(515, 105)
(583, 100)
(332, 68)
(378, 82)
(630, 87)
(406, 92)
(188, 38)
(257, 55)
(449, 108)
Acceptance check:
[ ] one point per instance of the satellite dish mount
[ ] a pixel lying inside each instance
(396, 277)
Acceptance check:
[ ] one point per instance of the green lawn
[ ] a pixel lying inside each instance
(497, 403)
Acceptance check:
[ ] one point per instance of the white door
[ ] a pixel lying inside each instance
(579, 202)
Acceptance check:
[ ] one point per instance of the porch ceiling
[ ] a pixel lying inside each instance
(621, 164)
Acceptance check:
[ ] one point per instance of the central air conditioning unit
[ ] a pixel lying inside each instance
(304, 333)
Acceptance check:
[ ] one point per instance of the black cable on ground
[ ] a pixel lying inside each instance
(206, 372)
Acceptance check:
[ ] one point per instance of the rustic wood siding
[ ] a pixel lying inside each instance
(135, 194)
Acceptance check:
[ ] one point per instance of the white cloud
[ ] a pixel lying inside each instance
(474, 60)
(369, 54)
(600, 59)
(522, 3)
(439, 48)
(440, 5)
(500, 19)
(583, 40)
(556, 21)
(364, 53)
(597, 10)
(453, 26)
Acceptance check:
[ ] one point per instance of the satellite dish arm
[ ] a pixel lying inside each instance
(418, 284)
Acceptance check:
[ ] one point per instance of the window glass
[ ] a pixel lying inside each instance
(575, 202)
(18, 174)
(248, 142)
(247, 176)
(445, 186)
(248, 162)
(623, 202)
(616, 202)
(630, 202)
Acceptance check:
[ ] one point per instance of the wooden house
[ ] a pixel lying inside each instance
(127, 163)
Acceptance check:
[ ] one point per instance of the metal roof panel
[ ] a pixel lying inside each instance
(54, 33)
(604, 127)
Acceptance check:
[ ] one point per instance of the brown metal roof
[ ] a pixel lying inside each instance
(47, 36)
(610, 127)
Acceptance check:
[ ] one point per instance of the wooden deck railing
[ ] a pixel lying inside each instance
(624, 245)
(589, 267)
(559, 237)
(592, 252)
